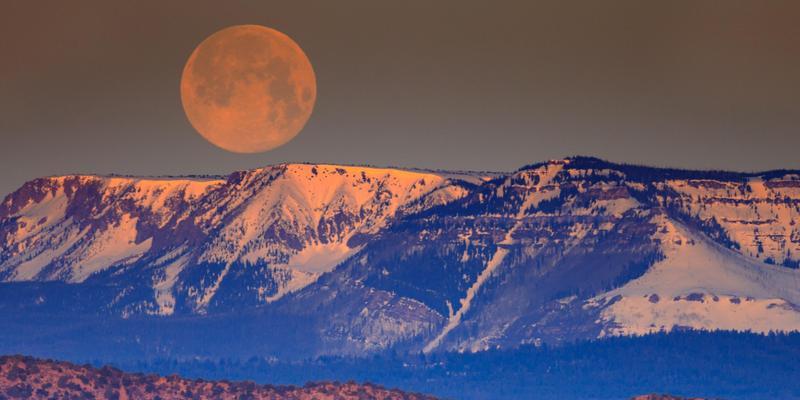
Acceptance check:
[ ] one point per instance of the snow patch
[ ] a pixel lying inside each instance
(702, 285)
(299, 280)
(114, 246)
(320, 257)
(164, 296)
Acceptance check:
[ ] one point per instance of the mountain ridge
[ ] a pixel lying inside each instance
(373, 258)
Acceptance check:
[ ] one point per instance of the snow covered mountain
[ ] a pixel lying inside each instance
(363, 259)
(268, 231)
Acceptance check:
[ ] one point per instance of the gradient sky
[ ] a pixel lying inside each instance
(93, 86)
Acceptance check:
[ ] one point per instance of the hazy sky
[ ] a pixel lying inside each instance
(92, 86)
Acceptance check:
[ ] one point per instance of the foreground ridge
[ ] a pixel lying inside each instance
(30, 378)
(360, 259)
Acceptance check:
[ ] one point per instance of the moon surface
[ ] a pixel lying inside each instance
(248, 89)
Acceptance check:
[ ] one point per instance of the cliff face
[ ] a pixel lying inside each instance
(28, 378)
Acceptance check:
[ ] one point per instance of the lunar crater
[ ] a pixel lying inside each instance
(248, 89)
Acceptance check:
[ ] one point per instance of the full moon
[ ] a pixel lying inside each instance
(248, 89)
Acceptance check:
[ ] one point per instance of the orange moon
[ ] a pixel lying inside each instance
(248, 89)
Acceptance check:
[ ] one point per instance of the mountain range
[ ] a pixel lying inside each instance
(312, 259)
